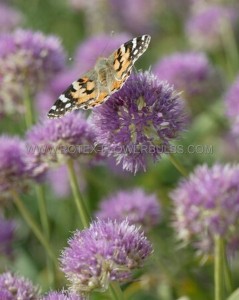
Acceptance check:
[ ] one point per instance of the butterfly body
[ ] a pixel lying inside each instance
(107, 76)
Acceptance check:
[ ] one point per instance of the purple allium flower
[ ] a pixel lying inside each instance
(137, 16)
(17, 287)
(208, 23)
(138, 207)
(10, 18)
(207, 204)
(62, 296)
(107, 251)
(139, 121)
(232, 106)
(28, 60)
(54, 141)
(13, 167)
(7, 232)
(100, 45)
(192, 73)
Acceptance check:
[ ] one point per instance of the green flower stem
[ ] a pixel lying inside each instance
(227, 273)
(115, 291)
(45, 226)
(34, 227)
(178, 165)
(218, 268)
(79, 201)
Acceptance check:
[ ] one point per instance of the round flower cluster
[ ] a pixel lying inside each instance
(106, 251)
(53, 142)
(191, 73)
(27, 61)
(15, 287)
(139, 121)
(62, 296)
(136, 206)
(207, 24)
(207, 204)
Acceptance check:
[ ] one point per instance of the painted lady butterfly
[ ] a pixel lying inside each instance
(97, 85)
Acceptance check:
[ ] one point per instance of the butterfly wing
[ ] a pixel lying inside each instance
(79, 92)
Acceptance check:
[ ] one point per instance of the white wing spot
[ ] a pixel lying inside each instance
(68, 105)
(63, 98)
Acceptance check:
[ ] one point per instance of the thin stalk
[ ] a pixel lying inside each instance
(34, 227)
(227, 273)
(115, 291)
(45, 226)
(28, 108)
(218, 268)
(79, 201)
(178, 165)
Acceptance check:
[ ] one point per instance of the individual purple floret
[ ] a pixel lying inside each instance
(139, 121)
(138, 207)
(97, 46)
(232, 106)
(207, 204)
(28, 60)
(53, 142)
(7, 235)
(62, 296)
(107, 251)
(193, 74)
(17, 287)
(208, 23)
(10, 18)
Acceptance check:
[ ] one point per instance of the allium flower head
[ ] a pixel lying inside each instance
(138, 207)
(13, 168)
(191, 73)
(139, 121)
(9, 18)
(232, 106)
(107, 251)
(7, 232)
(54, 141)
(27, 61)
(207, 204)
(207, 24)
(62, 296)
(99, 45)
(16, 287)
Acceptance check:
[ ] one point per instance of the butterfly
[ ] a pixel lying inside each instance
(98, 84)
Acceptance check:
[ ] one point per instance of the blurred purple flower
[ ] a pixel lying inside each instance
(232, 107)
(16, 287)
(207, 204)
(13, 167)
(53, 142)
(107, 251)
(208, 23)
(192, 73)
(7, 234)
(139, 208)
(10, 18)
(137, 16)
(62, 296)
(139, 121)
(100, 45)
(59, 180)
(28, 60)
